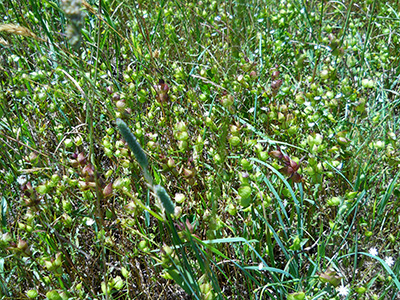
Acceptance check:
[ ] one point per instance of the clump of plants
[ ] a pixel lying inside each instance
(199, 150)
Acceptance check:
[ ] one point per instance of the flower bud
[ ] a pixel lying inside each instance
(171, 163)
(23, 247)
(342, 140)
(120, 105)
(109, 90)
(177, 211)
(179, 198)
(108, 190)
(116, 97)
(275, 75)
(188, 173)
(88, 172)
(81, 159)
(276, 84)
(276, 154)
(331, 277)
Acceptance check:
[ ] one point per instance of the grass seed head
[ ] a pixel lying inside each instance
(165, 199)
(133, 144)
(18, 30)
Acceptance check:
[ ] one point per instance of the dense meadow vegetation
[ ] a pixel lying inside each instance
(199, 149)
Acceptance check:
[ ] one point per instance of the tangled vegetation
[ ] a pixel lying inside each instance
(199, 150)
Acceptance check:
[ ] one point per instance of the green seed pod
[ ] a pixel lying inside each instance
(246, 164)
(142, 244)
(66, 220)
(234, 140)
(205, 287)
(360, 290)
(245, 195)
(296, 296)
(133, 144)
(334, 201)
(32, 294)
(49, 265)
(58, 260)
(179, 198)
(296, 244)
(165, 199)
(118, 283)
(392, 238)
(125, 272)
(105, 288)
(53, 295)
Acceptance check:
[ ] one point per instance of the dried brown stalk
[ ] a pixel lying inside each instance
(19, 30)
